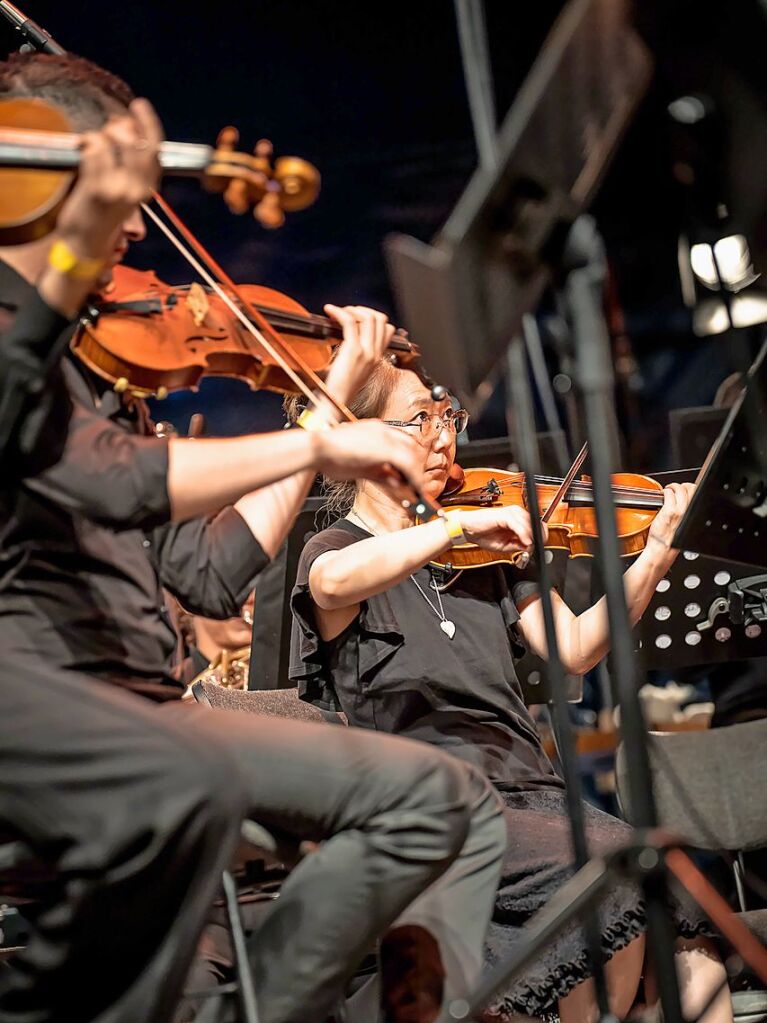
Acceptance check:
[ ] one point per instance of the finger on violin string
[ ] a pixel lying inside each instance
(150, 127)
(344, 318)
(382, 331)
(368, 330)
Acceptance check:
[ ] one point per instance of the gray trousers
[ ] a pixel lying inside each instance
(456, 909)
(136, 810)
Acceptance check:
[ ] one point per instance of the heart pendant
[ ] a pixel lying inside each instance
(448, 628)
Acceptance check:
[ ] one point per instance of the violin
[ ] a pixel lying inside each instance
(149, 338)
(39, 156)
(567, 507)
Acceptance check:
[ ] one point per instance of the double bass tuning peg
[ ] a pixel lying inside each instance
(270, 187)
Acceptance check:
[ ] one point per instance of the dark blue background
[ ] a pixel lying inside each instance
(373, 94)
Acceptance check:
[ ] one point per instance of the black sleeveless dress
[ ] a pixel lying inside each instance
(394, 670)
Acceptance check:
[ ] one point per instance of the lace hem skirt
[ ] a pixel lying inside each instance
(538, 862)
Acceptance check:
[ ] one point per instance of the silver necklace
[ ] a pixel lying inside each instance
(445, 624)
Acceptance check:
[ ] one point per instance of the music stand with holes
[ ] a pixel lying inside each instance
(727, 516)
(705, 611)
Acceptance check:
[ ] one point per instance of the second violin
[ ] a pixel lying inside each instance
(150, 338)
(568, 511)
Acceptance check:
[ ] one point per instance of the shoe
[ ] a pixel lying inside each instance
(412, 976)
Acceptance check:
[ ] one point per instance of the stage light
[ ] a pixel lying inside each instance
(719, 285)
(726, 262)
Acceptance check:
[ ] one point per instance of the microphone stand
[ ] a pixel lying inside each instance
(36, 39)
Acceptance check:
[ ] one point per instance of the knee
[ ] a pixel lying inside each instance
(205, 778)
(444, 793)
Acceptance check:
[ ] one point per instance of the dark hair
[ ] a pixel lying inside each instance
(368, 403)
(82, 90)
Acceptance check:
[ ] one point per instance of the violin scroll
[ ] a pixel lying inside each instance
(270, 187)
(40, 154)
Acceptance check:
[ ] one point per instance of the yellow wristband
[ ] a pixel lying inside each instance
(312, 421)
(454, 528)
(61, 258)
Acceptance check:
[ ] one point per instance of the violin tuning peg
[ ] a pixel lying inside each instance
(262, 157)
(269, 212)
(228, 138)
(237, 196)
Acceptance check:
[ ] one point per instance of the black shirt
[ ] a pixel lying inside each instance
(86, 548)
(395, 670)
(34, 403)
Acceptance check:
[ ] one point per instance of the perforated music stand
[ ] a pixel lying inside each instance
(726, 517)
(704, 612)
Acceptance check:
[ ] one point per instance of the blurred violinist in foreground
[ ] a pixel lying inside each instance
(135, 810)
(424, 651)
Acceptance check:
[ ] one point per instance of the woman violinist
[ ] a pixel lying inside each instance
(404, 647)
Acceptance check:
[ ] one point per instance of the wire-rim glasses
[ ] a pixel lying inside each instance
(431, 423)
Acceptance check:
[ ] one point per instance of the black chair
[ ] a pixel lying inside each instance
(280, 703)
(707, 786)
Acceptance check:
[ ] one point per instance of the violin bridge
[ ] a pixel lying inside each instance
(197, 303)
(492, 489)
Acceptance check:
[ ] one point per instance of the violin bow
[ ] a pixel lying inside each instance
(580, 458)
(247, 314)
(261, 330)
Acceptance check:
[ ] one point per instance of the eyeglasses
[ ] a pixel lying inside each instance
(430, 424)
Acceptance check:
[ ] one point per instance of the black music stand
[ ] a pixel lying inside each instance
(693, 432)
(726, 517)
(464, 296)
(704, 611)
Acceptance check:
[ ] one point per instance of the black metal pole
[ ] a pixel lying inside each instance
(472, 35)
(540, 372)
(585, 268)
(522, 411)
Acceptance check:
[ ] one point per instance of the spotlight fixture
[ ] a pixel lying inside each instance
(719, 284)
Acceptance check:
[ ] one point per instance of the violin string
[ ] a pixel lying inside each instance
(556, 481)
(553, 481)
(216, 287)
(586, 487)
(584, 490)
(279, 349)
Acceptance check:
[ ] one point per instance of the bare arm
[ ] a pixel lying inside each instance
(204, 475)
(340, 580)
(270, 511)
(585, 639)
